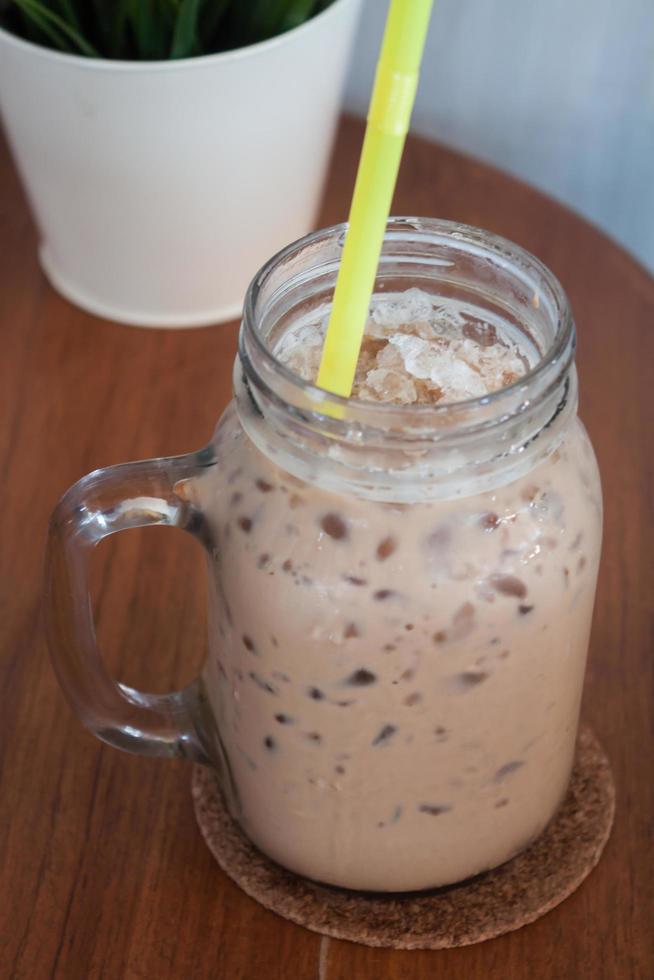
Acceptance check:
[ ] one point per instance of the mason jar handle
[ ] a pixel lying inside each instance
(106, 501)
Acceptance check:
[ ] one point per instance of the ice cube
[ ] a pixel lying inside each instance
(412, 306)
(383, 385)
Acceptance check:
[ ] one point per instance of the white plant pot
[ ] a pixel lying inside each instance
(159, 188)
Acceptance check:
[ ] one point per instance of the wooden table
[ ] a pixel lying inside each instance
(104, 873)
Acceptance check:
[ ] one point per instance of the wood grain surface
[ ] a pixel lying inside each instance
(104, 873)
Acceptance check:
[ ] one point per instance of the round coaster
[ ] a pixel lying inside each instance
(481, 908)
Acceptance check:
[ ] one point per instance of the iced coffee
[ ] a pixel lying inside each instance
(395, 684)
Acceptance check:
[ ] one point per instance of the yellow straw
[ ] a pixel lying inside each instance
(392, 100)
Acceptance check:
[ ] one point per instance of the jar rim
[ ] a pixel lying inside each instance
(335, 408)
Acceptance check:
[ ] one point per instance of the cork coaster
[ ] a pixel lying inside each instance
(489, 905)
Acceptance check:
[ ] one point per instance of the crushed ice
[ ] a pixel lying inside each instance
(416, 350)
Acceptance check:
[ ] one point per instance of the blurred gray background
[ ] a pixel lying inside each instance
(560, 93)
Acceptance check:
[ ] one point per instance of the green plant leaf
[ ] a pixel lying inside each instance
(185, 37)
(109, 23)
(256, 20)
(23, 25)
(152, 29)
(211, 17)
(152, 23)
(296, 13)
(69, 14)
(137, 16)
(55, 27)
(39, 31)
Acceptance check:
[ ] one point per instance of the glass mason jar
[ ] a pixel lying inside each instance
(401, 596)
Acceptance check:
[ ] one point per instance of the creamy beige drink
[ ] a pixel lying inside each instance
(396, 682)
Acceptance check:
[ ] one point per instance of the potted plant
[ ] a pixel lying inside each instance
(168, 147)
